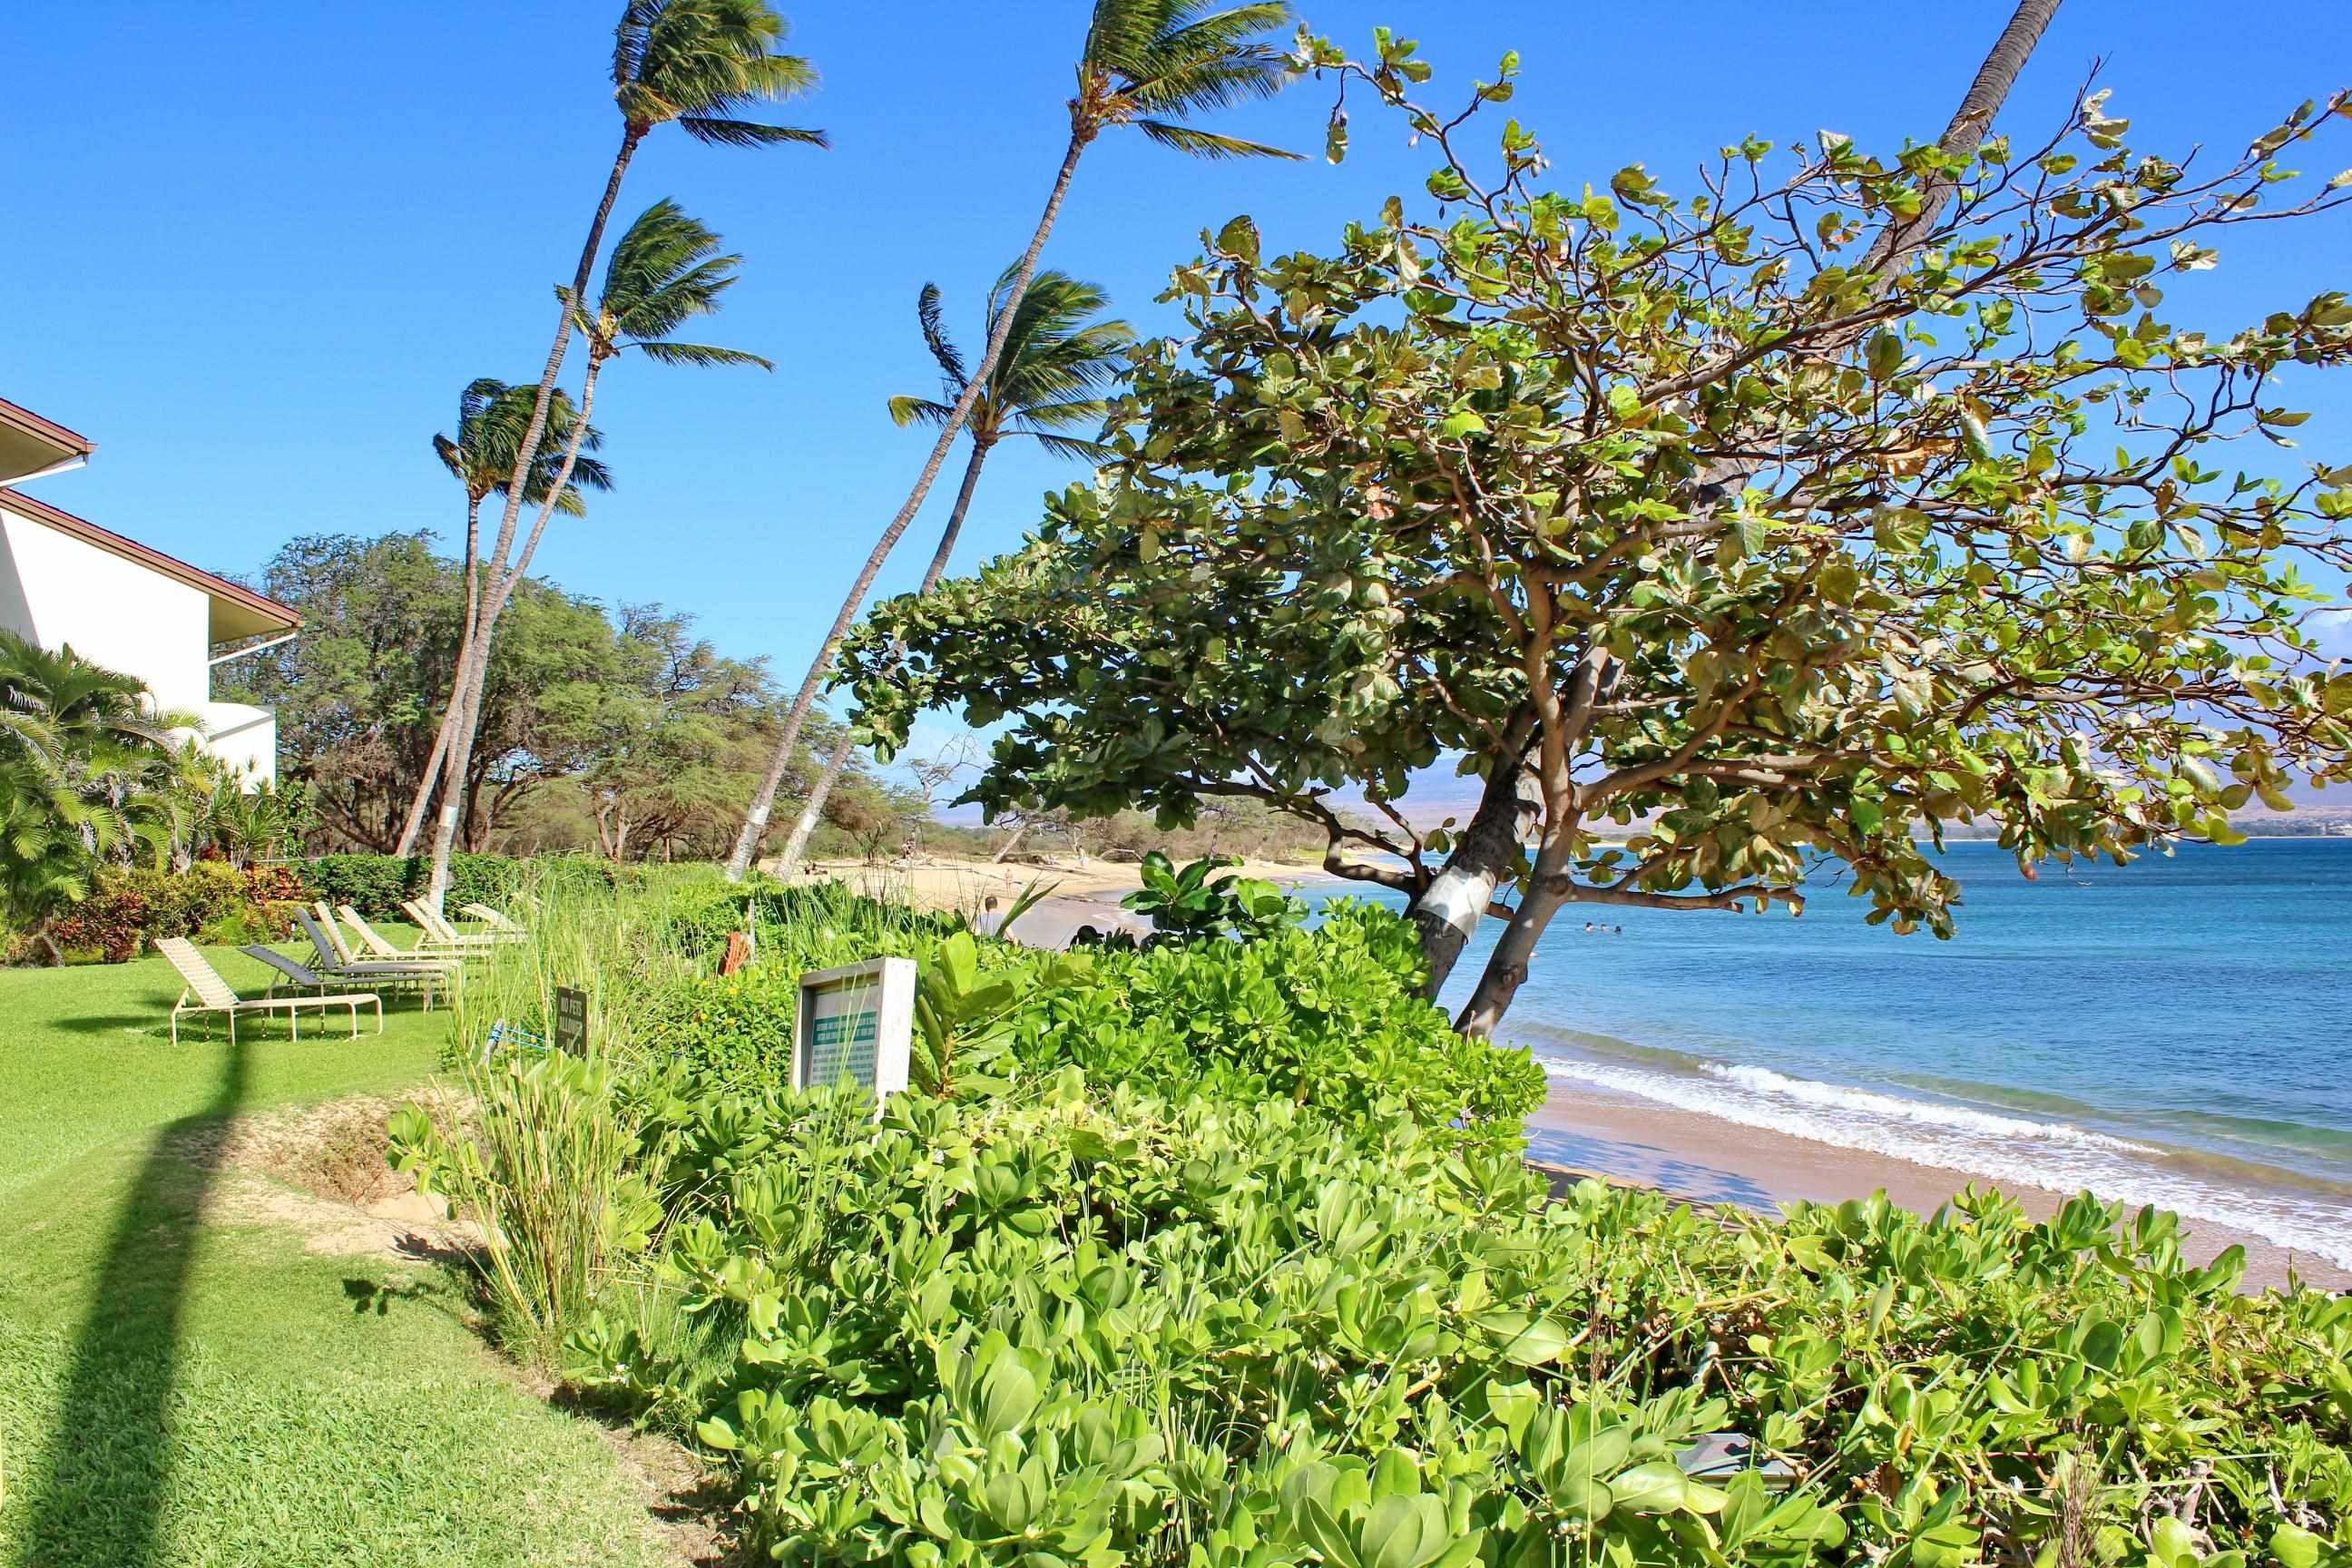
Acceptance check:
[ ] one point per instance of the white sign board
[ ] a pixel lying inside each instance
(856, 1022)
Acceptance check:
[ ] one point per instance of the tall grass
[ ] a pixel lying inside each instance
(555, 1169)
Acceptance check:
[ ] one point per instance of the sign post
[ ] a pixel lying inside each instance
(571, 1020)
(856, 1022)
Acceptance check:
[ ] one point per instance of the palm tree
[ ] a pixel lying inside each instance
(491, 416)
(699, 64)
(1048, 381)
(88, 775)
(1151, 63)
(666, 270)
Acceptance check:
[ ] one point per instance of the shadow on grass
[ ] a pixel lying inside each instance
(101, 1498)
(115, 1023)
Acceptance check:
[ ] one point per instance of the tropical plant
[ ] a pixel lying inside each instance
(90, 776)
(1720, 539)
(1185, 903)
(1151, 63)
(696, 63)
(1047, 383)
(491, 418)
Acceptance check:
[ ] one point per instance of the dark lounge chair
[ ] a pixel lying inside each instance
(340, 970)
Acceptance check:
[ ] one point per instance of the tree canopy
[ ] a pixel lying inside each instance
(1724, 533)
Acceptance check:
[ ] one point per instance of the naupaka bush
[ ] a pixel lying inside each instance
(1093, 1327)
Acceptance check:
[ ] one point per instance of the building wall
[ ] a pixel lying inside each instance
(58, 591)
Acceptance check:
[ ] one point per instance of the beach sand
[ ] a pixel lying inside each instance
(1710, 1161)
(1080, 895)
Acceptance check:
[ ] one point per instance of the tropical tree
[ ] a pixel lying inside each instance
(667, 269)
(1723, 539)
(491, 418)
(699, 64)
(1149, 64)
(89, 775)
(1047, 383)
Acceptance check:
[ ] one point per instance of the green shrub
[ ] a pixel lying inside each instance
(127, 910)
(375, 884)
(1331, 1017)
(1093, 1327)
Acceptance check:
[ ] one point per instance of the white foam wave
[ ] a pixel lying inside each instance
(1764, 1080)
(2053, 1155)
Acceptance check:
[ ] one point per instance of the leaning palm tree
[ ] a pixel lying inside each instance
(491, 418)
(699, 64)
(1047, 381)
(666, 270)
(1151, 63)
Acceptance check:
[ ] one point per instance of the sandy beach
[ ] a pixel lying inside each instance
(1080, 895)
(1707, 1160)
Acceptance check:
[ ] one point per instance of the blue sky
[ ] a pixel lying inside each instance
(256, 248)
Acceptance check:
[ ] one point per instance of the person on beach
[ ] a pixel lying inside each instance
(992, 920)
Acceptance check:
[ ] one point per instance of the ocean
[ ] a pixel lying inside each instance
(2175, 1032)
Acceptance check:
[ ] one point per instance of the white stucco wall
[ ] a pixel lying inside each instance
(58, 591)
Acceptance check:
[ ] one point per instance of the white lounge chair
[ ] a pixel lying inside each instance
(380, 946)
(492, 918)
(441, 933)
(213, 995)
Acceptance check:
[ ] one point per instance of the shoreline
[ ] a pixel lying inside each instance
(1709, 1160)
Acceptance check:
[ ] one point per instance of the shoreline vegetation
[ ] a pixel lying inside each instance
(1579, 1130)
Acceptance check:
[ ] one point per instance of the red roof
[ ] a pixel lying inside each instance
(256, 604)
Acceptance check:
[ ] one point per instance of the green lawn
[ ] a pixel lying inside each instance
(185, 1393)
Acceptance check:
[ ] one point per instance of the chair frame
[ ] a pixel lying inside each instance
(495, 920)
(379, 946)
(196, 973)
(444, 935)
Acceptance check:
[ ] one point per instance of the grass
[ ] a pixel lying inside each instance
(180, 1389)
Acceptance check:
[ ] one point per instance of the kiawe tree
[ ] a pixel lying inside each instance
(1736, 547)
(1046, 384)
(698, 64)
(1149, 64)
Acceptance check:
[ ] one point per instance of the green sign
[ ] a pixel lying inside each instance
(571, 1020)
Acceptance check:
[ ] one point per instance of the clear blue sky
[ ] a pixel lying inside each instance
(253, 250)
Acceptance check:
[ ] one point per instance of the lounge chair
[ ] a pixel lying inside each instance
(336, 964)
(380, 948)
(213, 995)
(441, 933)
(497, 922)
(290, 971)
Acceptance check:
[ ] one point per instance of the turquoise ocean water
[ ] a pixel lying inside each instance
(2177, 1031)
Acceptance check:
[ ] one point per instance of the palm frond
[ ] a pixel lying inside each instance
(667, 352)
(935, 337)
(1071, 447)
(913, 410)
(1207, 143)
(749, 133)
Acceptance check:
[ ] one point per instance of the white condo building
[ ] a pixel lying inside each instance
(66, 581)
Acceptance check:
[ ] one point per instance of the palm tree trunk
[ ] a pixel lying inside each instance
(497, 591)
(414, 822)
(461, 746)
(1970, 123)
(805, 824)
(755, 823)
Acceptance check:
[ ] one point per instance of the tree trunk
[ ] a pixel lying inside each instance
(1007, 848)
(497, 589)
(414, 822)
(1971, 123)
(461, 744)
(1447, 913)
(1506, 967)
(804, 827)
(755, 823)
